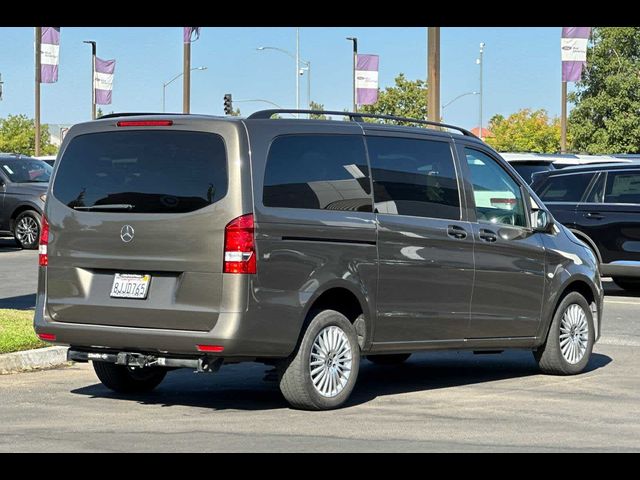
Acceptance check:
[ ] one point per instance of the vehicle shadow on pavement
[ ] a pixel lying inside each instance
(8, 244)
(20, 302)
(241, 387)
(612, 290)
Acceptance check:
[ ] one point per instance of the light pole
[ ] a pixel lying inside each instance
(355, 56)
(299, 71)
(433, 72)
(164, 85)
(451, 101)
(93, 77)
(479, 62)
(1, 83)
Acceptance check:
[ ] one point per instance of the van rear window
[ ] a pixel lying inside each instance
(140, 171)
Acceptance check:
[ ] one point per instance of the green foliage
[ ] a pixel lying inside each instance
(317, 106)
(408, 98)
(235, 112)
(525, 131)
(99, 113)
(16, 331)
(606, 116)
(18, 135)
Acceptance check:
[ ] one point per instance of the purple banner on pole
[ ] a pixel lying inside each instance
(191, 34)
(573, 46)
(103, 81)
(367, 79)
(49, 54)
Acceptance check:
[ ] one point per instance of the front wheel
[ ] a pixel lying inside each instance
(322, 372)
(570, 339)
(122, 379)
(27, 230)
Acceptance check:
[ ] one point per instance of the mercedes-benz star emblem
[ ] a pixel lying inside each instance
(126, 233)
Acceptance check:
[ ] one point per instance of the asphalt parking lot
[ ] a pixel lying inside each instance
(435, 402)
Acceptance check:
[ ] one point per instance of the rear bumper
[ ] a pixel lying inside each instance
(237, 336)
(621, 268)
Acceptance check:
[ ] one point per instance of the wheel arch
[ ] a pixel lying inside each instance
(590, 243)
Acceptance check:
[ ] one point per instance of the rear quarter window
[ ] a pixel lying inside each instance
(159, 171)
(321, 172)
(564, 188)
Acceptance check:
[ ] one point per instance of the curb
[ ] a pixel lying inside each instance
(33, 359)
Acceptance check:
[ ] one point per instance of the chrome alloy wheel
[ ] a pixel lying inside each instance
(574, 333)
(330, 361)
(27, 230)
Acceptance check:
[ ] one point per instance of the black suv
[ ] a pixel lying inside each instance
(600, 204)
(194, 241)
(23, 190)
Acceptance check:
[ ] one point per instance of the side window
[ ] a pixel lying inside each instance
(497, 195)
(414, 177)
(596, 195)
(565, 188)
(622, 187)
(325, 172)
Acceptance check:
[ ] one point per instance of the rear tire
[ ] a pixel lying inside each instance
(628, 283)
(26, 229)
(392, 359)
(122, 379)
(570, 339)
(322, 372)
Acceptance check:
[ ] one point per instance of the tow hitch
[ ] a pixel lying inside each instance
(203, 364)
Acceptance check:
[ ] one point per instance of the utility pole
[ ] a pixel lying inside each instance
(433, 73)
(563, 120)
(186, 82)
(355, 59)
(38, 32)
(93, 77)
(1, 82)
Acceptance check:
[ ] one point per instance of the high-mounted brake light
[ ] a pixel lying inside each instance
(239, 246)
(43, 256)
(508, 201)
(145, 123)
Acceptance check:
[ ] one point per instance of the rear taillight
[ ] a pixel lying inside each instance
(240, 246)
(43, 257)
(48, 337)
(210, 348)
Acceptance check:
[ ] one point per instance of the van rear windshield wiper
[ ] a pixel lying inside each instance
(112, 206)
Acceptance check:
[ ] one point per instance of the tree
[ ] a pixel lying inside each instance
(408, 98)
(606, 115)
(235, 112)
(99, 113)
(317, 106)
(18, 135)
(525, 131)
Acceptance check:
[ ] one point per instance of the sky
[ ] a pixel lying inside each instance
(521, 68)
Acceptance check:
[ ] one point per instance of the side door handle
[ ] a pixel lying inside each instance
(488, 235)
(594, 215)
(456, 232)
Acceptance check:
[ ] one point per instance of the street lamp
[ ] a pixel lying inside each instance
(355, 56)
(93, 77)
(299, 71)
(479, 62)
(451, 101)
(164, 85)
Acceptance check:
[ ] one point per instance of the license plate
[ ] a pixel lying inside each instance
(129, 285)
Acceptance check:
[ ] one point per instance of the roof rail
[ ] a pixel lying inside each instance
(357, 117)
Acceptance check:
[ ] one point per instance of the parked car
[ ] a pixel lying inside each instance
(50, 159)
(193, 241)
(23, 188)
(600, 204)
(530, 164)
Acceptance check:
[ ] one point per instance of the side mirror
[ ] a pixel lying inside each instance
(541, 220)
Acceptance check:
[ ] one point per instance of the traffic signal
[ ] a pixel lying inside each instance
(228, 106)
